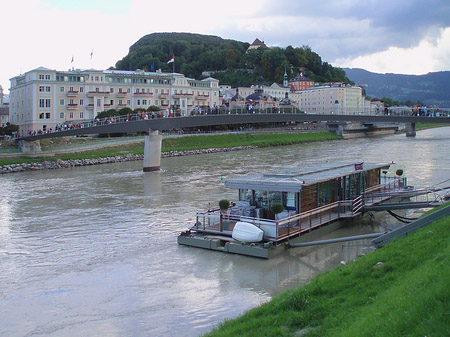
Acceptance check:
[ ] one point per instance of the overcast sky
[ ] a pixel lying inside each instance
(397, 36)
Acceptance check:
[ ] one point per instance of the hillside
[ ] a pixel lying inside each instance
(431, 89)
(226, 60)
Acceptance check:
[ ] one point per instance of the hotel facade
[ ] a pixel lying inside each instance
(43, 98)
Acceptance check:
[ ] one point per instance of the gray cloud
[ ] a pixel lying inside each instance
(341, 29)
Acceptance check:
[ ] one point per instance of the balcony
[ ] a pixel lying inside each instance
(143, 94)
(72, 106)
(202, 97)
(98, 93)
(90, 106)
(181, 95)
(164, 95)
(121, 94)
(72, 93)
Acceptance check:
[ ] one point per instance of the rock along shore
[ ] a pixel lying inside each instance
(60, 164)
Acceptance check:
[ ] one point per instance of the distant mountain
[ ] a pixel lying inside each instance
(431, 89)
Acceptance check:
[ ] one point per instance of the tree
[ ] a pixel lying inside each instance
(9, 129)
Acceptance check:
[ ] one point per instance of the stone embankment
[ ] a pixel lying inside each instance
(60, 164)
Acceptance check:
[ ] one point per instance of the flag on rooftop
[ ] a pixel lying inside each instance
(171, 60)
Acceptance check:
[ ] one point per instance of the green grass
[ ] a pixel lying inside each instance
(188, 143)
(244, 139)
(424, 126)
(407, 294)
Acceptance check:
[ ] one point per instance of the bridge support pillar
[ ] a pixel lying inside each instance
(30, 146)
(340, 130)
(152, 151)
(410, 129)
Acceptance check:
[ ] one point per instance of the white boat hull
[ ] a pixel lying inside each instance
(247, 232)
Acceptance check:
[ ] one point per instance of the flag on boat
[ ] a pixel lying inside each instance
(171, 60)
(359, 166)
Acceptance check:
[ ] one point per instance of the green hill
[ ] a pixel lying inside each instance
(226, 60)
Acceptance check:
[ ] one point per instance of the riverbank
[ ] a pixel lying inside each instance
(399, 290)
(171, 147)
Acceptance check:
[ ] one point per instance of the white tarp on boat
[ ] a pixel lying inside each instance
(247, 232)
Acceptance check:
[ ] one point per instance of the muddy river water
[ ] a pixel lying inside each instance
(92, 251)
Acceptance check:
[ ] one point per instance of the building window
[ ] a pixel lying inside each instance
(71, 115)
(111, 90)
(120, 102)
(41, 88)
(81, 114)
(61, 101)
(120, 90)
(41, 115)
(97, 89)
(137, 90)
(61, 115)
(81, 89)
(71, 89)
(111, 102)
(128, 102)
(47, 115)
(99, 102)
(61, 89)
(144, 102)
(81, 102)
(41, 103)
(128, 90)
(138, 102)
(47, 89)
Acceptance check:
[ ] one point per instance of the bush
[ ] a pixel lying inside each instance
(276, 208)
(224, 204)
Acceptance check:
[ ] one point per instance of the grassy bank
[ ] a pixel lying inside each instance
(189, 143)
(399, 290)
(423, 126)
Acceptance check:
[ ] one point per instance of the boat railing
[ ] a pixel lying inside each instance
(381, 192)
(275, 230)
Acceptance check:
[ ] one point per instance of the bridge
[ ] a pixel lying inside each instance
(121, 125)
(124, 124)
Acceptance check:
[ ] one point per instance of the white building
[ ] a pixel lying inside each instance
(42, 98)
(330, 99)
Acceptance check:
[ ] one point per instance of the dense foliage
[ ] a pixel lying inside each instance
(9, 129)
(228, 60)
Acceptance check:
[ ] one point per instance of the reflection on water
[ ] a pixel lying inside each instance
(92, 250)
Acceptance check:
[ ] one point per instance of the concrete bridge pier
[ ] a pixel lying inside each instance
(410, 129)
(27, 146)
(152, 151)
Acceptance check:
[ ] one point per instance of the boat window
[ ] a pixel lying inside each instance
(261, 199)
(290, 200)
(246, 195)
(326, 192)
(275, 197)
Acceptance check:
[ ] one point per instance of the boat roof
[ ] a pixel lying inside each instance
(293, 179)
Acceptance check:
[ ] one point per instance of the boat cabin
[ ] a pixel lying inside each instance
(301, 190)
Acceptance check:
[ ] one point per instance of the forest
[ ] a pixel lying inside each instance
(227, 60)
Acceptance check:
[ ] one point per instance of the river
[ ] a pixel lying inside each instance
(92, 250)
